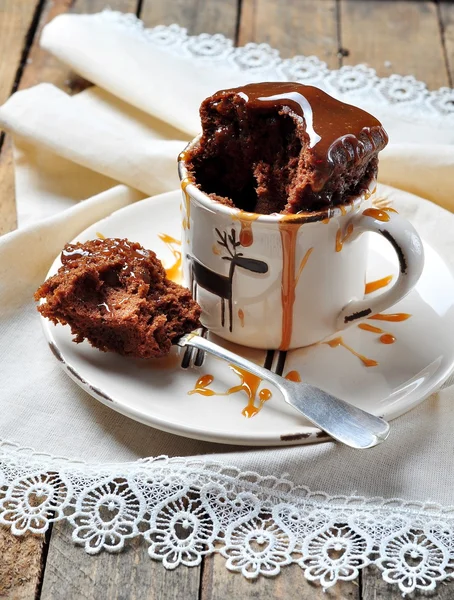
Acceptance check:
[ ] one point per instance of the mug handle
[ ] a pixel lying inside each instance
(409, 249)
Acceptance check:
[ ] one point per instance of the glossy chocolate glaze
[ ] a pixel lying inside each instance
(286, 148)
(338, 133)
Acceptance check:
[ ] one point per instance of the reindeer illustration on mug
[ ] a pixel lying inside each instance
(222, 285)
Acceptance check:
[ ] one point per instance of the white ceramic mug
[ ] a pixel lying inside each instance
(282, 282)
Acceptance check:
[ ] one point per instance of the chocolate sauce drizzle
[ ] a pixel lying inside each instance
(337, 132)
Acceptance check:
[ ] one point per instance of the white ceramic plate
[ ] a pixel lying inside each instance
(156, 392)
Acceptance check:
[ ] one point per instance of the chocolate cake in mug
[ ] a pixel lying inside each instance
(277, 197)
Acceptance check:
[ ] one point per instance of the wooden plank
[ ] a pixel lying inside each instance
(72, 574)
(293, 27)
(394, 36)
(41, 66)
(16, 19)
(447, 27)
(7, 198)
(375, 588)
(198, 16)
(218, 584)
(20, 565)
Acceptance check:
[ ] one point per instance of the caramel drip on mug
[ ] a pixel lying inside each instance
(174, 272)
(395, 318)
(373, 286)
(377, 213)
(334, 343)
(246, 219)
(289, 235)
(241, 317)
(303, 264)
(341, 239)
(187, 201)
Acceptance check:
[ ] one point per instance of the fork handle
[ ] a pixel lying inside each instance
(346, 423)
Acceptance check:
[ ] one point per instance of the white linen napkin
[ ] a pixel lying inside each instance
(135, 141)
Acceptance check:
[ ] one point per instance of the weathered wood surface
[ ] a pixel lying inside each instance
(220, 584)
(293, 27)
(72, 574)
(392, 36)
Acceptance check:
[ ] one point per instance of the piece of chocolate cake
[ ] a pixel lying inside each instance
(284, 148)
(115, 294)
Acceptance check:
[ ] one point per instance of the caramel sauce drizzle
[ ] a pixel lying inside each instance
(174, 271)
(100, 236)
(241, 316)
(335, 130)
(385, 338)
(378, 284)
(336, 342)
(341, 239)
(289, 234)
(293, 376)
(216, 250)
(187, 201)
(380, 214)
(249, 383)
(371, 328)
(246, 219)
(395, 318)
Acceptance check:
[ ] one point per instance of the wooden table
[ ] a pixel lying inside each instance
(401, 36)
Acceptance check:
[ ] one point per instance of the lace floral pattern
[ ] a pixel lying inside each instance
(408, 97)
(185, 509)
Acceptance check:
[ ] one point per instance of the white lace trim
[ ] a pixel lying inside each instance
(408, 97)
(187, 508)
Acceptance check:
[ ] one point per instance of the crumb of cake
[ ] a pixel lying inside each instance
(284, 148)
(115, 294)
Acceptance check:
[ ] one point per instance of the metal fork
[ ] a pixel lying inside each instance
(342, 421)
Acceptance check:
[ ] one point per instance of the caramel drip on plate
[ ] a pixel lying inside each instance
(334, 343)
(187, 202)
(377, 213)
(265, 394)
(201, 386)
(249, 383)
(174, 271)
(289, 235)
(341, 239)
(343, 210)
(385, 338)
(100, 235)
(293, 376)
(373, 286)
(371, 328)
(395, 318)
(241, 317)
